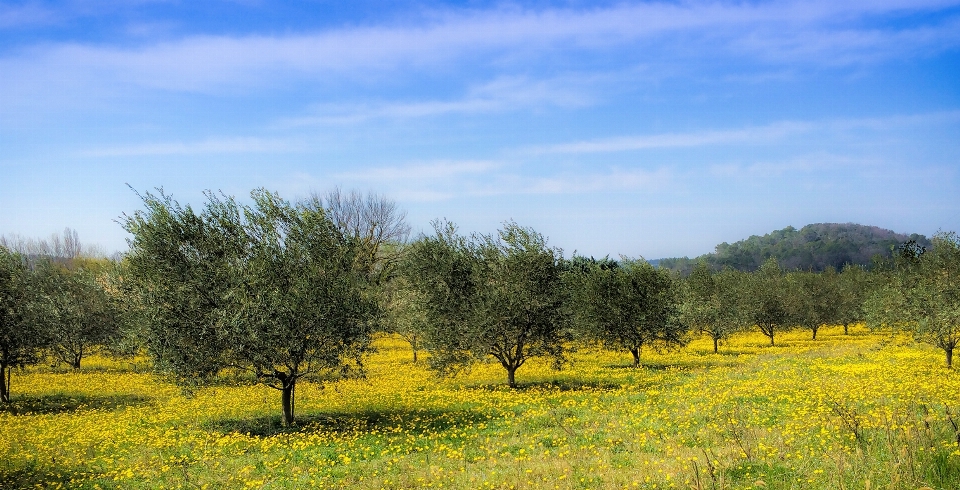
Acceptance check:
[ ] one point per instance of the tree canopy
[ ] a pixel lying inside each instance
(272, 288)
(627, 305)
(767, 302)
(22, 336)
(921, 294)
(713, 302)
(82, 315)
(489, 295)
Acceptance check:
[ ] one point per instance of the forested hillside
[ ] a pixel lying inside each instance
(813, 247)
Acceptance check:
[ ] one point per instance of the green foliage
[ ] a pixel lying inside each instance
(22, 336)
(81, 315)
(766, 302)
(814, 247)
(404, 312)
(627, 306)
(921, 294)
(489, 295)
(713, 302)
(443, 270)
(814, 298)
(854, 284)
(271, 288)
(182, 267)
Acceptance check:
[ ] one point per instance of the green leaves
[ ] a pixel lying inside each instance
(80, 313)
(488, 295)
(23, 335)
(922, 293)
(714, 302)
(628, 306)
(271, 287)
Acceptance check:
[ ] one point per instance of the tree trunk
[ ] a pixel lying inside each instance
(76, 361)
(815, 332)
(636, 356)
(846, 329)
(512, 377)
(716, 341)
(769, 333)
(414, 355)
(287, 399)
(949, 352)
(4, 383)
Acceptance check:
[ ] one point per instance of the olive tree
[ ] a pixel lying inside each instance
(922, 294)
(766, 302)
(82, 315)
(712, 302)
(814, 298)
(22, 336)
(403, 313)
(629, 306)
(853, 285)
(271, 288)
(489, 295)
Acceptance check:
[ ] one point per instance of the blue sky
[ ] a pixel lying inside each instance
(647, 129)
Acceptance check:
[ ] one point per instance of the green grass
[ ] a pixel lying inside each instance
(833, 413)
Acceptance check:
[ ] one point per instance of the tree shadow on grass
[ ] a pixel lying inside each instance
(676, 366)
(35, 476)
(550, 385)
(407, 421)
(60, 403)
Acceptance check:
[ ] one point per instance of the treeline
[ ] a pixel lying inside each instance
(815, 247)
(284, 291)
(57, 302)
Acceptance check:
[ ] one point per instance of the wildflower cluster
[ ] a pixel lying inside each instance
(804, 414)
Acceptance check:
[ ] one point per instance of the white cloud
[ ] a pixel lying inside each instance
(429, 181)
(210, 146)
(831, 45)
(501, 94)
(767, 134)
(778, 32)
(445, 180)
(677, 140)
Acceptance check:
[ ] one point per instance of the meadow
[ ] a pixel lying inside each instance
(867, 410)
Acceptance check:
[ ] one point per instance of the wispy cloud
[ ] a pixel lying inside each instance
(676, 140)
(766, 134)
(445, 180)
(831, 45)
(210, 146)
(583, 181)
(419, 172)
(776, 32)
(501, 94)
(816, 163)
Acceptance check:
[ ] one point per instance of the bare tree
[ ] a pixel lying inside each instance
(374, 219)
(62, 248)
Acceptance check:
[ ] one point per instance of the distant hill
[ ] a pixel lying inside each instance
(813, 247)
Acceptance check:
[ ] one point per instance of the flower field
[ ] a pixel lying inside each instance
(866, 410)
